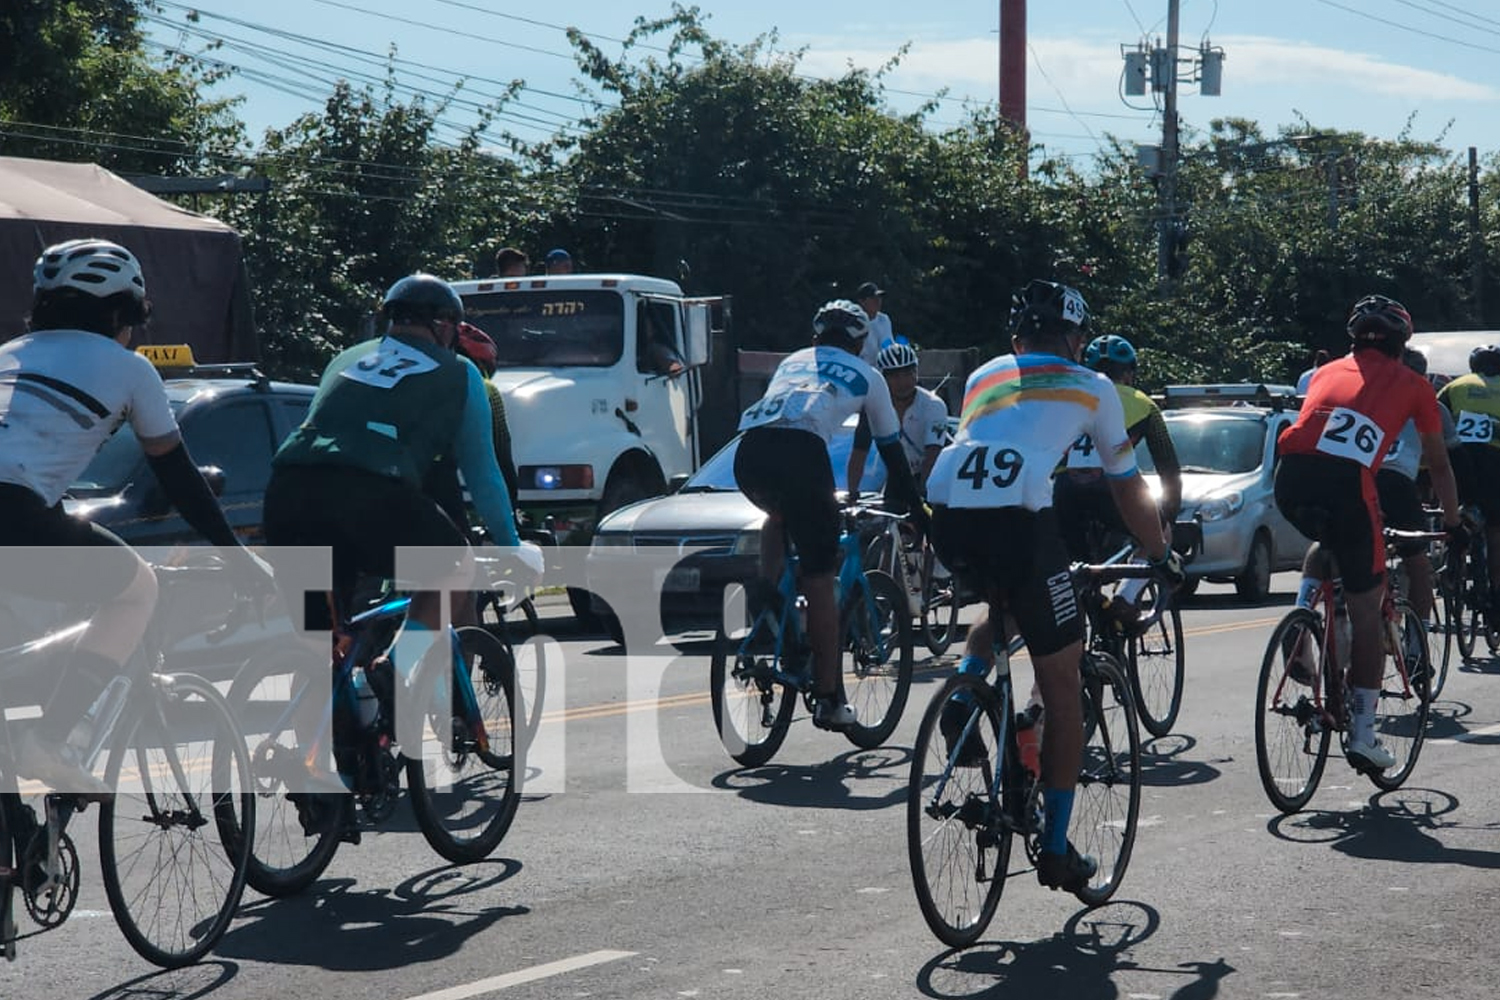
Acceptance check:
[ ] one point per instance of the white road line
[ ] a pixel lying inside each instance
(1470, 736)
(509, 979)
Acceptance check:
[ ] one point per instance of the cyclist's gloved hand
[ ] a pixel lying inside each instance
(251, 575)
(920, 516)
(529, 557)
(1169, 569)
(1458, 537)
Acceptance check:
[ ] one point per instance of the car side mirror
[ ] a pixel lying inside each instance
(677, 482)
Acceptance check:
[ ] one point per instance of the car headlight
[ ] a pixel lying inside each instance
(610, 540)
(1219, 508)
(746, 543)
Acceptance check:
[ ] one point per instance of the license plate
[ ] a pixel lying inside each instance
(677, 579)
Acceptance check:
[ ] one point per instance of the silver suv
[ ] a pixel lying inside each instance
(1225, 436)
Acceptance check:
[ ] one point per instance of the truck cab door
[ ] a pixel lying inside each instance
(665, 388)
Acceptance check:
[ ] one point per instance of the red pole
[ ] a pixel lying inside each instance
(1013, 67)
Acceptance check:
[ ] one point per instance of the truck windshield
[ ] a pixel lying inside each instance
(551, 329)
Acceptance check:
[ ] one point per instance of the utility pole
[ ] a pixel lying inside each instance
(1013, 71)
(1476, 238)
(1167, 229)
(1158, 65)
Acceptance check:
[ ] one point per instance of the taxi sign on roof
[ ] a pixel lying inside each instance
(168, 355)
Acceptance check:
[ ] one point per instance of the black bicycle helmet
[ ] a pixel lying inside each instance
(1047, 308)
(422, 299)
(1381, 322)
(1485, 360)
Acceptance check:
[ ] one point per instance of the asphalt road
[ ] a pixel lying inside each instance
(645, 864)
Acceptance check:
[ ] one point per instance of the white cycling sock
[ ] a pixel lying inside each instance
(1363, 724)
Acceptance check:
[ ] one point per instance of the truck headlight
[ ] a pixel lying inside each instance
(1219, 508)
(557, 477)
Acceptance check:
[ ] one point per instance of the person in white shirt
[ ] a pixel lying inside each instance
(923, 416)
(869, 297)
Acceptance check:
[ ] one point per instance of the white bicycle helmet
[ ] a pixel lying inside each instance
(895, 356)
(842, 316)
(96, 267)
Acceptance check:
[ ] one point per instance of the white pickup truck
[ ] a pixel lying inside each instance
(601, 375)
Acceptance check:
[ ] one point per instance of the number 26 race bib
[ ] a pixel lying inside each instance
(1350, 434)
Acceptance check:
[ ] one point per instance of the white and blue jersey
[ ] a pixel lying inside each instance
(817, 388)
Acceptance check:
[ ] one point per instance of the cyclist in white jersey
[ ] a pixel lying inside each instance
(923, 415)
(782, 465)
(66, 386)
(993, 525)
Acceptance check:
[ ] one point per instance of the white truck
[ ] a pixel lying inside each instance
(602, 380)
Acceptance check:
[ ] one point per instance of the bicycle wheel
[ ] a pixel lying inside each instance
(1474, 595)
(172, 877)
(7, 883)
(957, 841)
(1291, 744)
(1157, 666)
(878, 645)
(465, 793)
(1401, 716)
(1107, 803)
(513, 623)
(939, 607)
(752, 713)
(297, 831)
(1440, 641)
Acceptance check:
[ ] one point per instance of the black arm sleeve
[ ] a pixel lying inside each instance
(1164, 454)
(901, 483)
(503, 455)
(862, 433)
(189, 493)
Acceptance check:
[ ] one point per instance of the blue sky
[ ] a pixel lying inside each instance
(1377, 66)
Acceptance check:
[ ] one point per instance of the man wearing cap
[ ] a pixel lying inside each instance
(868, 296)
(558, 261)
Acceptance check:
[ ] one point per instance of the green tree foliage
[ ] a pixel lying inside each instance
(76, 83)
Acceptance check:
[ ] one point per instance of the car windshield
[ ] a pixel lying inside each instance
(114, 463)
(717, 474)
(548, 328)
(1206, 443)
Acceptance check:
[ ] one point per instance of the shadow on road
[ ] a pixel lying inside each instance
(190, 983)
(826, 786)
(1163, 763)
(1080, 963)
(334, 926)
(1394, 826)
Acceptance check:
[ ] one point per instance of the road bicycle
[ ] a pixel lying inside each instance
(1441, 626)
(508, 613)
(1303, 694)
(172, 849)
(448, 723)
(756, 676)
(1473, 612)
(896, 548)
(964, 809)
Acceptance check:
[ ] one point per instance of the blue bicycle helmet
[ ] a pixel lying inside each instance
(1111, 348)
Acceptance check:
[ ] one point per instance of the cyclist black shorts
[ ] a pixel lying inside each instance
(1017, 555)
(1400, 507)
(1327, 500)
(787, 472)
(1086, 514)
(92, 577)
(1479, 481)
(363, 517)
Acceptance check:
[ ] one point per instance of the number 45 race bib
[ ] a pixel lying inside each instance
(1350, 434)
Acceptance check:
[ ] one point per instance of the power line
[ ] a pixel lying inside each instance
(1447, 17)
(1477, 17)
(1043, 70)
(1406, 27)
